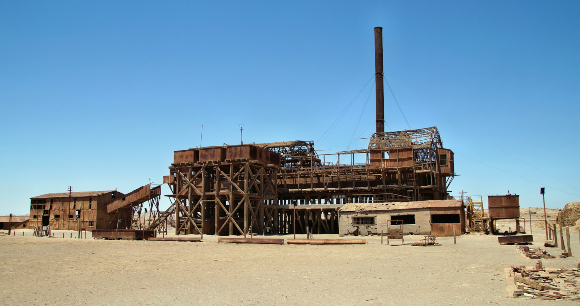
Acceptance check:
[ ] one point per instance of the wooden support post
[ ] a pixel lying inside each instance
(568, 241)
(318, 220)
(454, 237)
(307, 221)
(294, 221)
(562, 246)
(381, 236)
(332, 221)
(246, 201)
(177, 204)
(231, 206)
(555, 234)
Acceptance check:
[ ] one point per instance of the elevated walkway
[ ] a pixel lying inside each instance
(134, 198)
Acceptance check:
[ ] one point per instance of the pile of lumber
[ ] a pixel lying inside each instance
(535, 253)
(549, 284)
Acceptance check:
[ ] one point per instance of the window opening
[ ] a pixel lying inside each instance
(447, 218)
(443, 160)
(363, 220)
(403, 219)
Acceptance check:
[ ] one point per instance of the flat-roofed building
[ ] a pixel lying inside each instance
(434, 217)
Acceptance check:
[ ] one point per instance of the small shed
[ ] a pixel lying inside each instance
(434, 217)
(15, 222)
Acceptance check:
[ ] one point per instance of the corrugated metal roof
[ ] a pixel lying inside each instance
(79, 194)
(358, 207)
(15, 219)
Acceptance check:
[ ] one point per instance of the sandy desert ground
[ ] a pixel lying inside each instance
(47, 271)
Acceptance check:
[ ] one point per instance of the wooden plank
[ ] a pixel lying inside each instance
(515, 239)
(252, 240)
(530, 283)
(326, 241)
(189, 239)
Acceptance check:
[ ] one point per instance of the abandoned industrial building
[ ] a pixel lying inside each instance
(437, 218)
(72, 211)
(284, 187)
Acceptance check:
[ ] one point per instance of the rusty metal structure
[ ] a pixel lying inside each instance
(503, 207)
(286, 187)
(223, 190)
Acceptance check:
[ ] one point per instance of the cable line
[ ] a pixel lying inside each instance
(397, 102)
(359, 117)
(490, 143)
(342, 114)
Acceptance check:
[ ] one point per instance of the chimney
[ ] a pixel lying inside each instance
(379, 79)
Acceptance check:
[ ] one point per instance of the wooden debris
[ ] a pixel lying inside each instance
(252, 240)
(547, 284)
(535, 253)
(326, 241)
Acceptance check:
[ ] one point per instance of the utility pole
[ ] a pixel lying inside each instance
(241, 133)
(543, 191)
(68, 211)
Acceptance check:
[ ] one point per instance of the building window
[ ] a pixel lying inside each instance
(70, 217)
(56, 217)
(90, 202)
(446, 218)
(34, 217)
(403, 219)
(91, 223)
(78, 215)
(443, 160)
(363, 220)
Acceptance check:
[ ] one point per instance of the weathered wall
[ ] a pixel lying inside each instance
(422, 224)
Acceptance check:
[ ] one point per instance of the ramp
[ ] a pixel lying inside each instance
(134, 198)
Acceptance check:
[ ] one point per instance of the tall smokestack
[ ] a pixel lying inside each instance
(379, 79)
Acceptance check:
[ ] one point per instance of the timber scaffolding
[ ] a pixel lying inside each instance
(285, 187)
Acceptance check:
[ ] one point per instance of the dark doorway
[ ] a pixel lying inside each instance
(45, 220)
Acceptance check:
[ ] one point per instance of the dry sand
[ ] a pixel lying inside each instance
(98, 272)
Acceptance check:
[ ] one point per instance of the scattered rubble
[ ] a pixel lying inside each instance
(535, 253)
(542, 283)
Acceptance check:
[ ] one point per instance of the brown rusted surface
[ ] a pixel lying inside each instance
(241, 152)
(380, 96)
(126, 234)
(134, 198)
(445, 229)
(187, 239)
(326, 241)
(446, 161)
(515, 239)
(504, 206)
(212, 154)
(186, 156)
(252, 240)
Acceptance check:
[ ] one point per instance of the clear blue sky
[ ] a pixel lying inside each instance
(98, 94)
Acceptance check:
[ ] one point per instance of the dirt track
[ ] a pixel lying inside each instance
(74, 271)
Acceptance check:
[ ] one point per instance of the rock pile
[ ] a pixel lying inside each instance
(570, 214)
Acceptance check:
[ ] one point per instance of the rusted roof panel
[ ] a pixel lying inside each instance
(73, 194)
(15, 219)
(358, 207)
